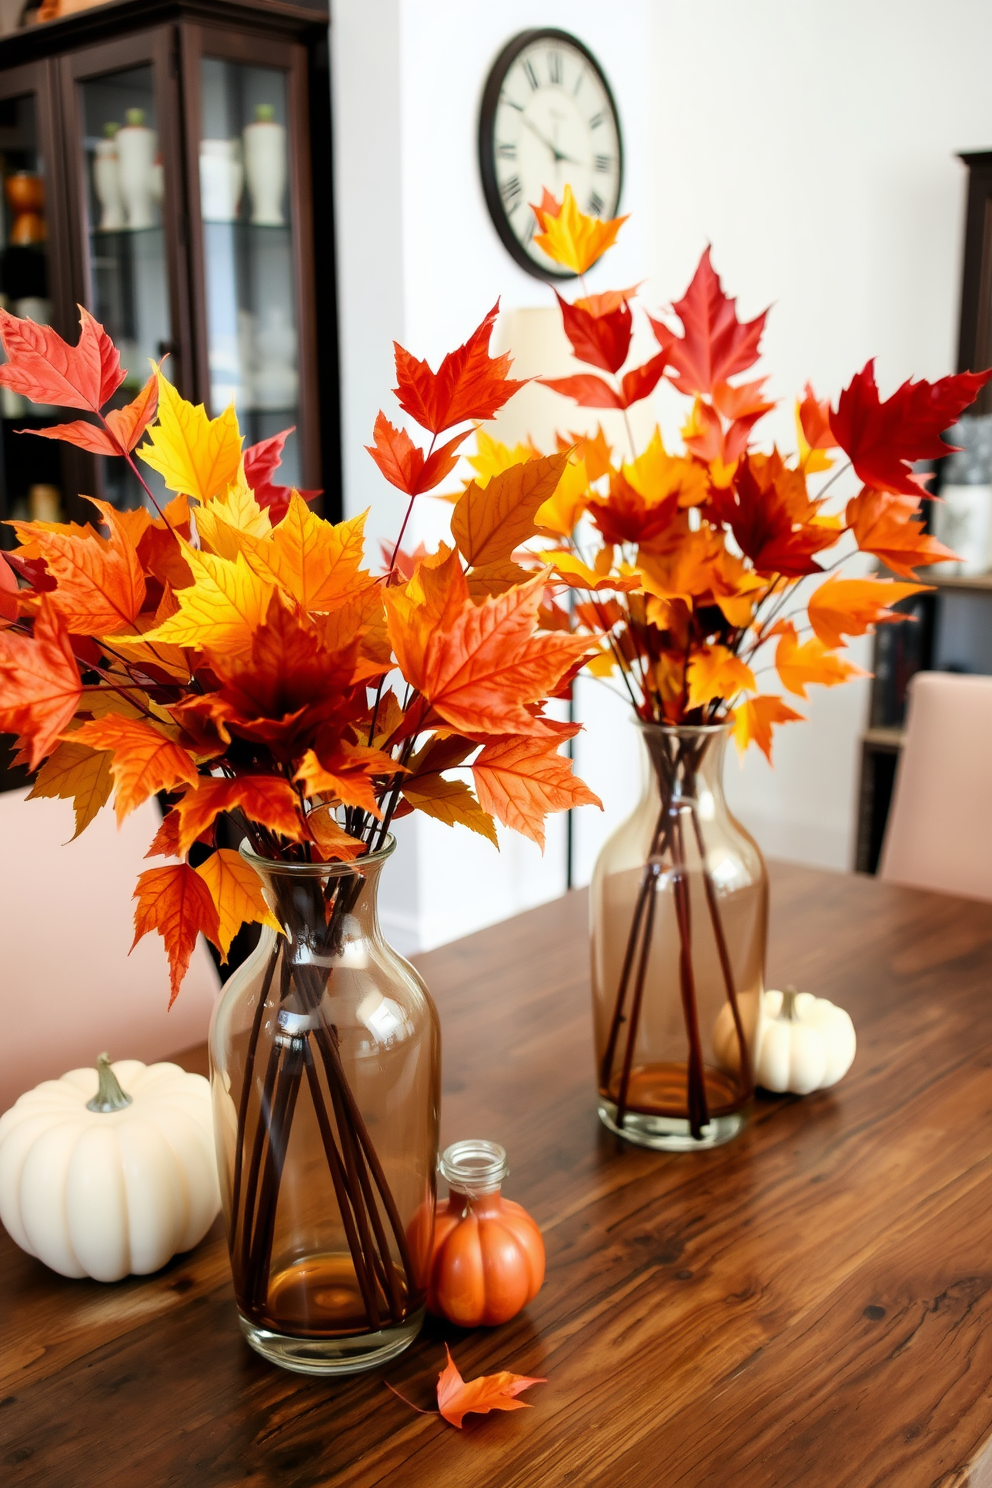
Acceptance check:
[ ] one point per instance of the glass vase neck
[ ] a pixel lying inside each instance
(686, 759)
(323, 905)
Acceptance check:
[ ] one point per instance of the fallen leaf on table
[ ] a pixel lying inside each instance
(457, 1398)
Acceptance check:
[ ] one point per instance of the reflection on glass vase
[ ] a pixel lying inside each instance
(679, 906)
(325, 1070)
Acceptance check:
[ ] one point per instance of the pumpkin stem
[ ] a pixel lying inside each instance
(787, 1012)
(109, 1095)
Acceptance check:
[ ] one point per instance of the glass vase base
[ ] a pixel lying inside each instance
(670, 1133)
(351, 1354)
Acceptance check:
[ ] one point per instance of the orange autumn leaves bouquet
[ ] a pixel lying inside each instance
(685, 564)
(233, 650)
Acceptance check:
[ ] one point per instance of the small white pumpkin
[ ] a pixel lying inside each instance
(96, 1182)
(804, 1043)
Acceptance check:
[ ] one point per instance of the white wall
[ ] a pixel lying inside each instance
(812, 145)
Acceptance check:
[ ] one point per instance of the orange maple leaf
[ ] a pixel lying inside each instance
(891, 528)
(46, 369)
(754, 719)
(469, 383)
(268, 799)
(125, 426)
(482, 669)
(40, 685)
(841, 607)
(99, 584)
(318, 563)
(457, 1398)
(144, 760)
(236, 890)
(404, 464)
(345, 771)
(715, 672)
(521, 781)
(489, 522)
(177, 903)
(812, 661)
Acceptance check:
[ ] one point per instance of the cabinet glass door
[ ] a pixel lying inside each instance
(248, 252)
(125, 188)
(31, 468)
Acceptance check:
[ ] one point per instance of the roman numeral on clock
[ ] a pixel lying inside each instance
(531, 74)
(511, 191)
(595, 121)
(603, 162)
(507, 152)
(554, 66)
(595, 205)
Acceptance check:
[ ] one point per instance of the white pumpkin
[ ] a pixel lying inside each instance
(96, 1182)
(804, 1043)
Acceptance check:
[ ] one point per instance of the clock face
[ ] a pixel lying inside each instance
(548, 119)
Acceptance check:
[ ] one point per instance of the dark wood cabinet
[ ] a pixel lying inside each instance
(183, 151)
(951, 628)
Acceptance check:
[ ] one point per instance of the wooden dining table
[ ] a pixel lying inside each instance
(810, 1304)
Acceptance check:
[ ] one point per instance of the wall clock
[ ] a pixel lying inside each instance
(547, 119)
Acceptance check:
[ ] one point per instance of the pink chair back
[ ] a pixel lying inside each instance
(68, 988)
(939, 832)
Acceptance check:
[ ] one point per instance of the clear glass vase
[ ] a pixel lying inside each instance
(325, 1070)
(679, 907)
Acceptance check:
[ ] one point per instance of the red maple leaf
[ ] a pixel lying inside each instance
(716, 345)
(882, 439)
(262, 460)
(600, 340)
(469, 383)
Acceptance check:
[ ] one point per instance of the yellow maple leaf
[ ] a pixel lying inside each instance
(222, 608)
(656, 474)
(316, 562)
(715, 672)
(568, 501)
(236, 890)
(451, 802)
(492, 457)
(77, 773)
(223, 522)
(572, 239)
(191, 452)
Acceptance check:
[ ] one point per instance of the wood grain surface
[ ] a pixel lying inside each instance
(811, 1304)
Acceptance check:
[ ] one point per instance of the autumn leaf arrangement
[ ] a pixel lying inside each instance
(682, 566)
(232, 650)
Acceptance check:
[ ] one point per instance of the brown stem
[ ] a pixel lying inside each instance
(724, 954)
(635, 1011)
(696, 1085)
(283, 1107)
(261, 1130)
(256, 1026)
(341, 1192)
(606, 1066)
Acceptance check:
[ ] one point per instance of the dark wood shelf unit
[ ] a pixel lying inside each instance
(899, 653)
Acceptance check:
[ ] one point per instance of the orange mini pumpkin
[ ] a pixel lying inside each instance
(488, 1257)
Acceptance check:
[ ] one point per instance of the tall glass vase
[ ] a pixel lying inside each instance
(679, 906)
(325, 1070)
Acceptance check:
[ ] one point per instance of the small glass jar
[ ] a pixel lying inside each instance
(488, 1259)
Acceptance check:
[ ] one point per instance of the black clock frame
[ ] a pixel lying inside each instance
(487, 121)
